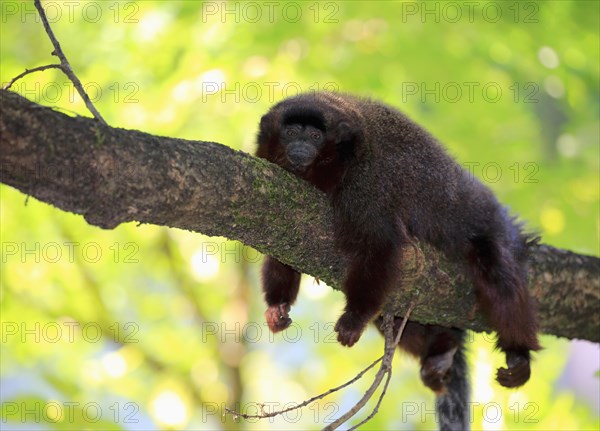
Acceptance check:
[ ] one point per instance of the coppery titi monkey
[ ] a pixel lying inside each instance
(388, 181)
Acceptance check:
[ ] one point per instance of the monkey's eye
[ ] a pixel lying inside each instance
(315, 136)
(291, 132)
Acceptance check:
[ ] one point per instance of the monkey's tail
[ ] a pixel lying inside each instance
(452, 406)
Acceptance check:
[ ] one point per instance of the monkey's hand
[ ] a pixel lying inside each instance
(277, 317)
(518, 370)
(349, 329)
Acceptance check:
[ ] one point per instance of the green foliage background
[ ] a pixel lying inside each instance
(145, 327)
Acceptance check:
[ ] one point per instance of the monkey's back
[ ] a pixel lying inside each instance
(407, 173)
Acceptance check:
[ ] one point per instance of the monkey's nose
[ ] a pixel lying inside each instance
(300, 157)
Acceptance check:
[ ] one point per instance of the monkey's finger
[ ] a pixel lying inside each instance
(348, 338)
(277, 317)
(348, 329)
(515, 376)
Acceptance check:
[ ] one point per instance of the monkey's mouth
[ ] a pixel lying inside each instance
(298, 168)
(300, 159)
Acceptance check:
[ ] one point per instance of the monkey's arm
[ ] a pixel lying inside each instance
(370, 277)
(280, 285)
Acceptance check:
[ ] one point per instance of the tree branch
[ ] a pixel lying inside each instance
(112, 176)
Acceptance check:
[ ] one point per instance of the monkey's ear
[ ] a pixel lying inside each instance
(266, 128)
(343, 133)
(265, 121)
(345, 140)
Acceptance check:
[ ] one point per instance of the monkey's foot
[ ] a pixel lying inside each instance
(518, 370)
(435, 370)
(349, 329)
(277, 317)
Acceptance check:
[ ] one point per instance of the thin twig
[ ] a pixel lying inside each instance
(389, 376)
(307, 402)
(28, 71)
(404, 321)
(386, 368)
(65, 65)
(376, 408)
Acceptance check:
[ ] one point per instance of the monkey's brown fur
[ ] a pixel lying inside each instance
(390, 180)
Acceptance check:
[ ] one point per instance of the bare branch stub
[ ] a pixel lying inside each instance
(28, 71)
(65, 66)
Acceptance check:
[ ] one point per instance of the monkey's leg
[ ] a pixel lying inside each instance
(280, 285)
(435, 346)
(367, 283)
(443, 368)
(438, 358)
(501, 289)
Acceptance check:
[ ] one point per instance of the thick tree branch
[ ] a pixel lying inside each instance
(112, 176)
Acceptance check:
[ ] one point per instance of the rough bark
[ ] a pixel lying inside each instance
(112, 176)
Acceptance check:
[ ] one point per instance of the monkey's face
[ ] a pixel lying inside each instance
(302, 143)
(310, 139)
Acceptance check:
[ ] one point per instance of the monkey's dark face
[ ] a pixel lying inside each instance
(304, 137)
(302, 144)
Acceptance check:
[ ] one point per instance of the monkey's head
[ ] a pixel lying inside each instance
(312, 137)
